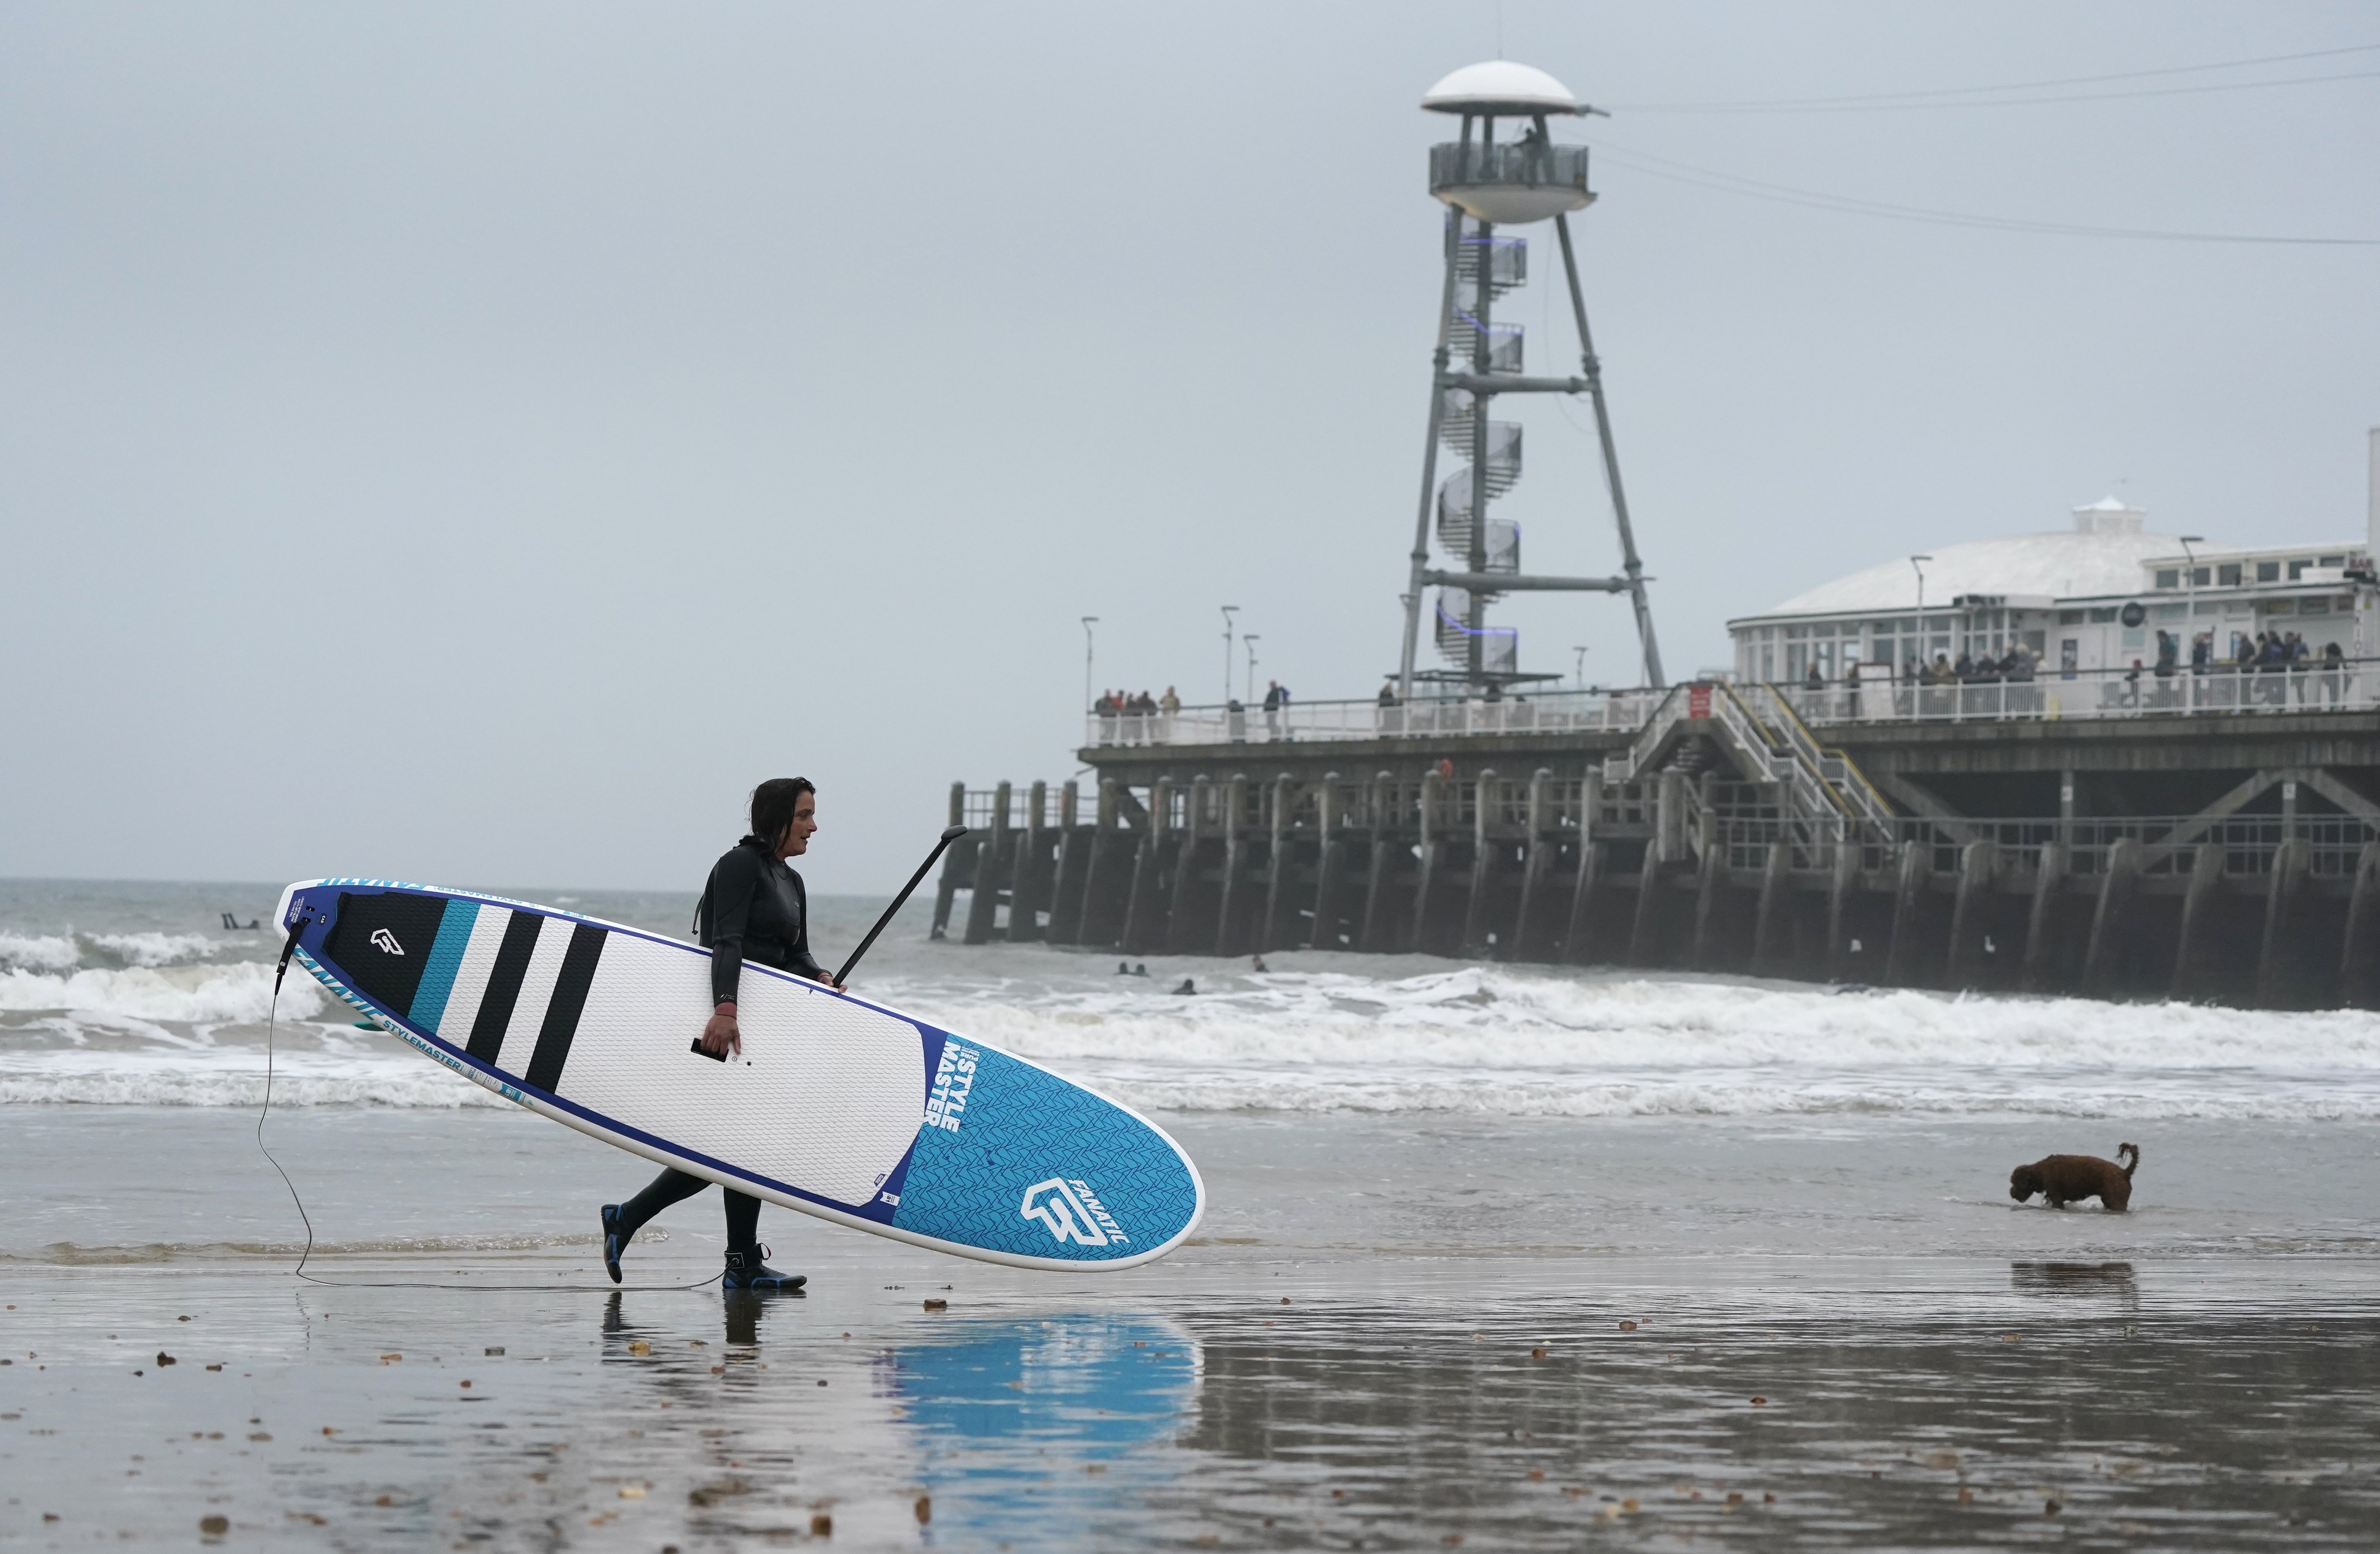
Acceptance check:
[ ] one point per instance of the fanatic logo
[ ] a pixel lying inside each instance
(386, 942)
(1071, 1212)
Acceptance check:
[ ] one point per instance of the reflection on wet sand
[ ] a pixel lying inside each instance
(2075, 1278)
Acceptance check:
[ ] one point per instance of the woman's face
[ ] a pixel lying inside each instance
(797, 835)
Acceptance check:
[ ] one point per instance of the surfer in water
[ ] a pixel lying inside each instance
(753, 908)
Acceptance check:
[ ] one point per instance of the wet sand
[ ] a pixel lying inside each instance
(1349, 1356)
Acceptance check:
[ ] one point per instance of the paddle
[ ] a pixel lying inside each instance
(953, 834)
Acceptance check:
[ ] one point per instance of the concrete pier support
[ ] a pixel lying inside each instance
(2281, 967)
(1028, 889)
(1278, 928)
(1979, 867)
(1074, 842)
(1644, 931)
(1234, 905)
(1526, 938)
(1711, 885)
(1843, 961)
(1379, 931)
(955, 863)
(1772, 927)
(2359, 962)
(1906, 960)
(2194, 958)
(2111, 924)
(1330, 865)
(1107, 878)
(990, 863)
(1432, 857)
(1145, 901)
(1476, 924)
(1585, 900)
(1187, 930)
(2048, 879)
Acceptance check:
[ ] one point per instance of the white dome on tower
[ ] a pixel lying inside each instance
(1499, 86)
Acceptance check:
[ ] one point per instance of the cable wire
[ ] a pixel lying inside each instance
(1934, 98)
(1843, 204)
(272, 1017)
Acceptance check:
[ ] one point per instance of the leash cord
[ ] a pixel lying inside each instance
(273, 1015)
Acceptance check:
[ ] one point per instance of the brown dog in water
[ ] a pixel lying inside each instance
(2064, 1179)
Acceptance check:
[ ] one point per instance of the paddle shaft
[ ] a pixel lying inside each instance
(898, 902)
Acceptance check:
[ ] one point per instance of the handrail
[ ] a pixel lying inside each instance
(1807, 745)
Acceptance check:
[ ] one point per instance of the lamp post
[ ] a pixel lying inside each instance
(1089, 622)
(2190, 602)
(1229, 611)
(1250, 639)
(1578, 671)
(1917, 564)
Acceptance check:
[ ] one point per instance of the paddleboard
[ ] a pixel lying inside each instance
(837, 1107)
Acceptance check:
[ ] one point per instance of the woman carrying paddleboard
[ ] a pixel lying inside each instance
(753, 908)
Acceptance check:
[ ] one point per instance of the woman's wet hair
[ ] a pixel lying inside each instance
(773, 807)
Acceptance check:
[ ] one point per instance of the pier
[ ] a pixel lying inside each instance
(2196, 837)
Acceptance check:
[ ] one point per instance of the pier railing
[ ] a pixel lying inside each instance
(1434, 718)
(2345, 686)
(2312, 686)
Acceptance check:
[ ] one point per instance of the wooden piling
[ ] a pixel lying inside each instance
(1771, 927)
(2280, 979)
(1979, 867)
(1906, 957)
(2194, 961)
(1585, 900)
(1106, 878)
(2048, 880)
(2359, 962)
(990, 863)
(2111, 924)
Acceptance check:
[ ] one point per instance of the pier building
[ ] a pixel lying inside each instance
(2055, 762)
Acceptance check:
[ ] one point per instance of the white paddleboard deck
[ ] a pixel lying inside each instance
(837, 1107)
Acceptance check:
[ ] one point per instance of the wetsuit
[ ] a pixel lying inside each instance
(753, 908)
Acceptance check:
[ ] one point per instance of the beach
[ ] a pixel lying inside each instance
(1517, 1257)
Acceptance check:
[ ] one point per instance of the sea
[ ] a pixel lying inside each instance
(1496, 1255)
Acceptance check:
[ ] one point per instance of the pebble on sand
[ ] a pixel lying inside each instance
(2051, 1507)
(937, 1303)
(213, 1526)
(1626, 1326)
(821, 1525)
(1760, 1402)
(493, 1349)
(639, 1346)
(632, 1491)
(165, 1359)
(925, 1508)
(1537, 1354)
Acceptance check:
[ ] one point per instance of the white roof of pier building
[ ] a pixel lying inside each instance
(2100, 557)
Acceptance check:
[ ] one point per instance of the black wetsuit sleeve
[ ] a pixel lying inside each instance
(803, 961)
(734, 880)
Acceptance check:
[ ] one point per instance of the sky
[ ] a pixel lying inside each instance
(475, 443)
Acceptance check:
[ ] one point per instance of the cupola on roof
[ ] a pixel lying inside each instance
(1500, 86)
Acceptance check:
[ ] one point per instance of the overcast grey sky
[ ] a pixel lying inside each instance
(475, 443)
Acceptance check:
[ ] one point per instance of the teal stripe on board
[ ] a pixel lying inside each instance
(446, 958)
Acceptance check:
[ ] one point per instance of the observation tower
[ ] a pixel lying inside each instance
(1486, 184)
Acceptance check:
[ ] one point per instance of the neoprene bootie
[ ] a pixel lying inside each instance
(747, 1269)
(614, 1242)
